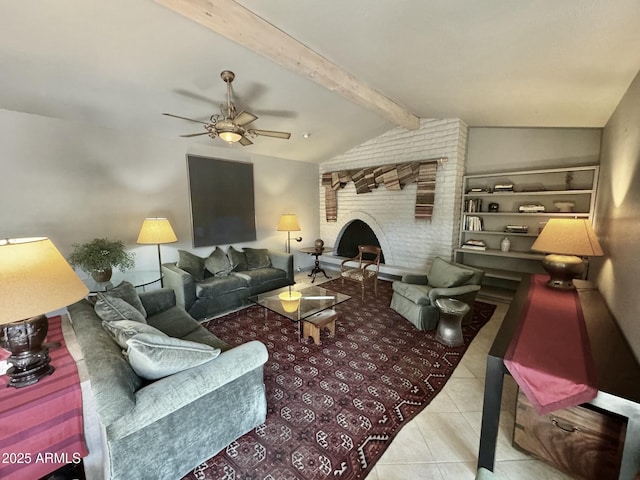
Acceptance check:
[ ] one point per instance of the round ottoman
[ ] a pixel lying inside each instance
(450, 324)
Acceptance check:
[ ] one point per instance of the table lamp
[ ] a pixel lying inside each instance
(156, 231)
(289, 223)
(566, 240)
(35, 279)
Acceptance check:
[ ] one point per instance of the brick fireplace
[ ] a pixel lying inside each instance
(408, 243)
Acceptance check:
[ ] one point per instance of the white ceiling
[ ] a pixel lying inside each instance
(121, 63)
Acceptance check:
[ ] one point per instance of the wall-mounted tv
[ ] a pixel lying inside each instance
(222, 202)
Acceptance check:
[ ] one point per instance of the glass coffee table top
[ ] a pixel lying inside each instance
(299, 303)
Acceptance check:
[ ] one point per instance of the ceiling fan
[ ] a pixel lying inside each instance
(230, 125)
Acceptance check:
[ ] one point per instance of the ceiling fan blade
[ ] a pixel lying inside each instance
(194, 134)
(244, 118)
(244, 141)
(271, 133)
(185, 118)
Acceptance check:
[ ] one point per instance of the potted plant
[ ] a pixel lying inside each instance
(99, 256)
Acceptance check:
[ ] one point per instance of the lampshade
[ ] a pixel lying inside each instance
(35, 279)
(288, 223)
(156, 231)
(568, 236)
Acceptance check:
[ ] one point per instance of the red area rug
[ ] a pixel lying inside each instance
(334, 408)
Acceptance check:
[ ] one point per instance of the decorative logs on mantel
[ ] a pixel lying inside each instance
(392, 176)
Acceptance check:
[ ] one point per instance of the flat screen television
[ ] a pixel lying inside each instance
(222, 201)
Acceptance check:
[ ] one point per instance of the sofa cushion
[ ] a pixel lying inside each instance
(192, 264)
(127, 292)
(123, 330)
(157, 356)
(257, 277)
(111, 309)
(445, 275)
(418, 294)
(257, 258)
(218, 264)
(215, 286)
(238, 259)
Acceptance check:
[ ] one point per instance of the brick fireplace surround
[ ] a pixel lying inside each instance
(409, 244)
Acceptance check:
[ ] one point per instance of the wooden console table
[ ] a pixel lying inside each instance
(617, 374)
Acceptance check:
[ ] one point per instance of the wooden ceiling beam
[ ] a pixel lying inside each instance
(237, 23)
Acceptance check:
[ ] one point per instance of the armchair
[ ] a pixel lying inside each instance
(368, 260)
(414, 296)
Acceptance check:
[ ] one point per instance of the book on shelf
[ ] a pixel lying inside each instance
(473, 223)
(474, 245)
(473, 205)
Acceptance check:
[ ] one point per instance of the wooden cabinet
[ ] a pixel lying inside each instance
(582, 441)
(516, 205)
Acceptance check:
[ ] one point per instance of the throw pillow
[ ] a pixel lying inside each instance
(238, 260)
(445, 275)
(192, 264)
(111, 309)
(218, 263)
(123, 330)
(257, 258)
(156, 356)
(127, 292)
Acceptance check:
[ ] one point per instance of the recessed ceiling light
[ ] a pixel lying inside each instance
(306, 135)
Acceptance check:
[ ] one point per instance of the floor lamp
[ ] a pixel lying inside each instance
(289, 223)
(35, 279)
(157, 231)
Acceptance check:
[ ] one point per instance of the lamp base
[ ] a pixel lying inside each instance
(562, 270)
(29, 358)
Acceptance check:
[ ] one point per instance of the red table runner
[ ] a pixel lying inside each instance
(550, 355)
(41, 426)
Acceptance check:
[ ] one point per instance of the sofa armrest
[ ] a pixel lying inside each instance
(159, 300)
(452, 292)
(415, 279)
(162, 397)
(283, 261)
(182, 283)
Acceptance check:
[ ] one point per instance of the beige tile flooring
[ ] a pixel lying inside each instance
(441, 443)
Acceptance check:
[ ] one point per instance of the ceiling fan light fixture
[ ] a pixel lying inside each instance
(230, 136)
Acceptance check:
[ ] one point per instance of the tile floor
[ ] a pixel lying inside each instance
(441, 443)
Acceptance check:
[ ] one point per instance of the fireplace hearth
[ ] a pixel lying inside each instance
(356, 233)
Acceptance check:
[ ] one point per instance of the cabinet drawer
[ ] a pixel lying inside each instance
(581, 441)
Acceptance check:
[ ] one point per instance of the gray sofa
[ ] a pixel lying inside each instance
(206, 287)
(162, 429)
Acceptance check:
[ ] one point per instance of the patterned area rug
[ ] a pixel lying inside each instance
(334, 408)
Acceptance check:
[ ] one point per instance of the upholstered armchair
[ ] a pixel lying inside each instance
(414, 296)
(363, 268)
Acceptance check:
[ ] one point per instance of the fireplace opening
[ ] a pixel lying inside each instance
(357, 233)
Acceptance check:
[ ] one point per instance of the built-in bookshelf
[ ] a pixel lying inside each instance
(516, 205)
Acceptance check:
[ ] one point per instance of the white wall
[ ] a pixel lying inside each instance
(74, 182)
(618, 215)
(405, 240)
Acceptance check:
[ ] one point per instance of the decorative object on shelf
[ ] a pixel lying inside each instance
(494, 207)
(319, 244)
(289, 223)
(505, 244)
(503, 187)
(99, 256)
(564, 207)
(156, 230)
(566, 240)
(392, 176)
(568, 180)
(474, 245)
(35, 279)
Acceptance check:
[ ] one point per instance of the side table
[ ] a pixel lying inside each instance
(139, 279)
(316, 253)
(452, 312)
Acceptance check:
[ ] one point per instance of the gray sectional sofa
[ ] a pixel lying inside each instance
(206, 287)
(162, 428)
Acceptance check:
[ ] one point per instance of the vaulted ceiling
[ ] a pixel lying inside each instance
(342, 70)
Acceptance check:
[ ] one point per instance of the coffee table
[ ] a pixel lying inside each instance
(312, 300)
